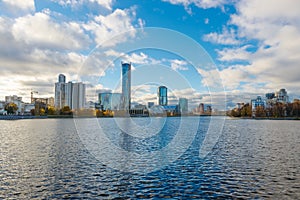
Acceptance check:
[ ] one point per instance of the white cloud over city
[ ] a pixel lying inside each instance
(256, 48)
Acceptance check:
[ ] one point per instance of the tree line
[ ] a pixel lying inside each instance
(273, 110)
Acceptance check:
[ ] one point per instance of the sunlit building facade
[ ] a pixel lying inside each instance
(69, 94)
(78, 96)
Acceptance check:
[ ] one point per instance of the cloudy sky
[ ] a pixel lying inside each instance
(253, 46)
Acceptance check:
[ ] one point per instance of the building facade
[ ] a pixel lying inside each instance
(150, 104)
(282, 96)
(69, 94)
(258, 102)
(183, 105)
(60, 92)
(126, 86)
(16, 100)
(162, 95)
(109, 101)
(78, 96)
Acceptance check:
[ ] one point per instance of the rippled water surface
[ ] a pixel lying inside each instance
(47, 158)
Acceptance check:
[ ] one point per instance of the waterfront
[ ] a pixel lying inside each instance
(45, 158)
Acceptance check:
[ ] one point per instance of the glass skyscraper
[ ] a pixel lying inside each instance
(183, 105)
(126, 86)
(162, 95)
(60, 91)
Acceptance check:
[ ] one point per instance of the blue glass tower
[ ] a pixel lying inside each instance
(162, 95)
(126, 85)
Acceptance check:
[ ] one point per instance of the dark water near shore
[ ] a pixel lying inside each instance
(45, 158)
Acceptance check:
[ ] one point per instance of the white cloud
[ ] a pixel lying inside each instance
(199, 3)
(274, 29)
(206, 21)
(18, 7)
(41, 31)
(23, 58)
(112, 25)
(278, 32)
(227, 37)
(178, 65)
(105, 3)
(234, 54)
(75, 3)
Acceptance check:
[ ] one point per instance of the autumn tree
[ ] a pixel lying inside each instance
(11, 108)
(246, 110)
(260, 112)
(51, 110)
(66, 110)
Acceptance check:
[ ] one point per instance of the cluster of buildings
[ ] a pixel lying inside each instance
(73, 95)
(121, 102)
(69, 94)
(66, 94)
(203, 109)
(23, 108)
(267, 102)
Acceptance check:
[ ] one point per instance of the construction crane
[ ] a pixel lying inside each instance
(32, 95)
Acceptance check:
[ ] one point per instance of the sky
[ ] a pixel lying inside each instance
(197, 48)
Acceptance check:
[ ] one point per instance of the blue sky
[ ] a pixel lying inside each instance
(253, 45)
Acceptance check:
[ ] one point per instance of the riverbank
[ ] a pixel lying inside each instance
(17, 117)
(267, 118)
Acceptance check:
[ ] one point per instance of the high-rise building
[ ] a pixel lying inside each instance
(282, 96)
(78, 96)
(69, 94)
(61, 78)
(126, 86)
(162, 95)
(183, 105)
(60, 91)
(201, 108)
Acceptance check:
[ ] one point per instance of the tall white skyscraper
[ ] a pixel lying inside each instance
(68, 94)
(78, 96)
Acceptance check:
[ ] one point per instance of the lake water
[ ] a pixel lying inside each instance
(63, 158)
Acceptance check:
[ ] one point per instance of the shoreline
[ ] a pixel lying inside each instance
(19, 117)
(267, 118)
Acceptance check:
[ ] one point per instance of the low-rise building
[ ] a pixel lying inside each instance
(258, 102)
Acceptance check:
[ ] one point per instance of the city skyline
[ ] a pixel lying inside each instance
(255, 50)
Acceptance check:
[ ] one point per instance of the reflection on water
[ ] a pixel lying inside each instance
(252, 159)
